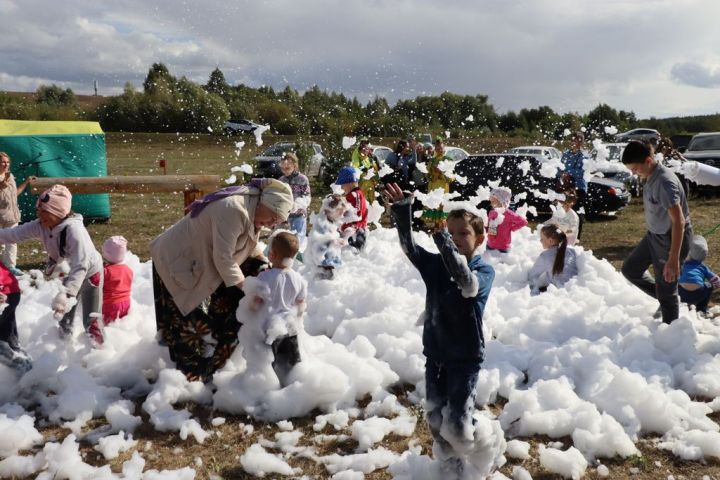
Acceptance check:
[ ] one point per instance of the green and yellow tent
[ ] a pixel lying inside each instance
(57, 149)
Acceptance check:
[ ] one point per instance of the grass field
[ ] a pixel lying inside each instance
(141, 217)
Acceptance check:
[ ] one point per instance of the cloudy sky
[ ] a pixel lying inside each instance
(655, 57)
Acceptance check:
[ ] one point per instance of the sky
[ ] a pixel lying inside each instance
(655, 57)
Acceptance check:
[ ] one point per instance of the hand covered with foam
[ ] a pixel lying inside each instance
(715, 281)
(61, 304)
(57, 270)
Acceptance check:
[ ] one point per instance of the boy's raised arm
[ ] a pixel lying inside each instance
(402, 213)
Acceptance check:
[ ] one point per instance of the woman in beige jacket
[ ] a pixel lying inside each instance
(9, 211)
(199, 265)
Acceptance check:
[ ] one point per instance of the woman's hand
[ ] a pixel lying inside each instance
(23, 185)
(393, 193)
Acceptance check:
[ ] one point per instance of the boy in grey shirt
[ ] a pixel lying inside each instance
(669, 231)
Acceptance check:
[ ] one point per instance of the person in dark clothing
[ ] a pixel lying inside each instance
(402, 161)
(458, 283)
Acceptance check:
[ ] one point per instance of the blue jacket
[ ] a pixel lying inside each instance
(453, 322)
(402, 163)
(573, 162)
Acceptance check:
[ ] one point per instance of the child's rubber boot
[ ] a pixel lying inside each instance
(16, 271)
(18, 360)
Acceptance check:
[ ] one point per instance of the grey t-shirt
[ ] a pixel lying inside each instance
(663, 191)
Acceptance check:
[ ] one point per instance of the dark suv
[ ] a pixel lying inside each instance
(521, 173)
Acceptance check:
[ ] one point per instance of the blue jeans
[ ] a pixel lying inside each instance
(298, 224)
(451, 385)
(700, 297)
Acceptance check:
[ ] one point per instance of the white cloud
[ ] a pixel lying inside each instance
(569, 54)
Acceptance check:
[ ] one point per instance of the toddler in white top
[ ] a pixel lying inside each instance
(565, 217)
(285, 304)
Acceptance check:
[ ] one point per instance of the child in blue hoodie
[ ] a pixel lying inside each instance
(458, 284)
(697, 281)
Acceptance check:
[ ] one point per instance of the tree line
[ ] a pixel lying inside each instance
(170, 104)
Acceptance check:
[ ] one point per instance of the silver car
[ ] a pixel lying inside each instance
(640, 134)
(548, 152)
(233, 127)
(268, 162)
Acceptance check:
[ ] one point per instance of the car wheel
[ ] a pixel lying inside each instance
(229, 131)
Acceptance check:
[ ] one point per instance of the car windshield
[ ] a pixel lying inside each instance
(277, 150)
(710, 142)
(615, 152)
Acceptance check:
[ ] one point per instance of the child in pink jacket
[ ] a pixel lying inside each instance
(502, 221)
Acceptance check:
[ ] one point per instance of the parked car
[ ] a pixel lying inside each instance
(609, 165)
(705, 148)
(456, 153)
(521, 173)
(547, 152)
(641, 134)
(233, 127)
(380, 152)
(268, 162)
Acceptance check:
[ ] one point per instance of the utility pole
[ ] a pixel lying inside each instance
(95, 82)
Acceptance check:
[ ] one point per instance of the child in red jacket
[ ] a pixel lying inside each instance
(118, 280)
(11, 353)
(356, 229)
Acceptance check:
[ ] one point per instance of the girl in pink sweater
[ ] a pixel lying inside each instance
(502, 221)
(118, 280)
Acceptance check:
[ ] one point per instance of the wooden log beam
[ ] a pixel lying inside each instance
(130, 184)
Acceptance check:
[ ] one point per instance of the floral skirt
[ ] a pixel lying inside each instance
(202, 341)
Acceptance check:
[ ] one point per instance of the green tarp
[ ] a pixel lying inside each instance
(57, 149)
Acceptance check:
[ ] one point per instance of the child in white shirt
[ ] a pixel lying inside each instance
(565, 217)
(285, 304)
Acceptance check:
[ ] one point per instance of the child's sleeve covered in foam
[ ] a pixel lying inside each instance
(456, 265)
(402, 213)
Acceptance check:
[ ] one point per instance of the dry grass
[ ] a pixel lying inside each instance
(141, 217)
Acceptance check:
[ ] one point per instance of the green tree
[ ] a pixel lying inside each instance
(216, 83)
(601, 117)
(54, 95)
(158, 79)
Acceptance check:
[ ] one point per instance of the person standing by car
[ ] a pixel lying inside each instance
(667, 150)
(402, 161)
(9, 211)
(300, 186)
(669, 232)
(574, 175)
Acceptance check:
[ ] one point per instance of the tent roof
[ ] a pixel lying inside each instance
(24, 128)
